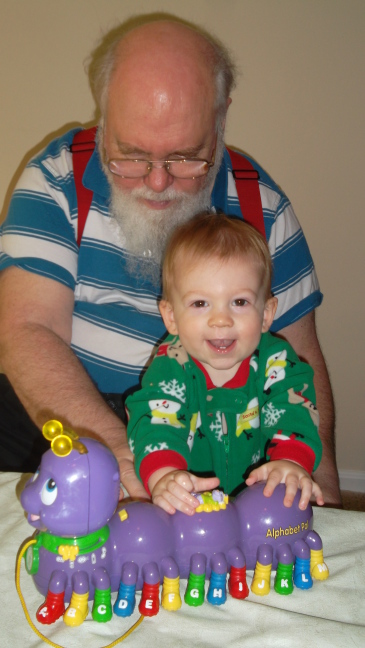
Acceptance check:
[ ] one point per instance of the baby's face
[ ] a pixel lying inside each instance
(219, 311)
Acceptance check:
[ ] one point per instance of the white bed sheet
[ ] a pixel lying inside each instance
(331, 614)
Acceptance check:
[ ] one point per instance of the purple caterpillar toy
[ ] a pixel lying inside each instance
(86, 549)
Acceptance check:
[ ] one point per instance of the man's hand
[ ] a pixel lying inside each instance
(171, 489)
(115, 437)
(291, 474)
(128, 475)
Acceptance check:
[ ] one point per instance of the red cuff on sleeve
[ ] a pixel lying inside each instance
(293, 450)
(160, 459)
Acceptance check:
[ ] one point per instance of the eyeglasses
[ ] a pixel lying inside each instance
(185, 168)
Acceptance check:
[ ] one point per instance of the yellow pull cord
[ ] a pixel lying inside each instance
(27, 616)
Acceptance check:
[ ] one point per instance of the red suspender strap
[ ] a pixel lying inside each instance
(82, 148)
(247, 183)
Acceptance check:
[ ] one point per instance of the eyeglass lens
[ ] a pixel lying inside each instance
(177, 168)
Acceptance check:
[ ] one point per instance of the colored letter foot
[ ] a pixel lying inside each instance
(102, 607)
(261, 579)
(52, 608)
(217, 593)
(77, 611)
(149, 604)
(170, 598)
(284, 579)
(319, 569)
(237, 584)
(126, 600)
(195, 590)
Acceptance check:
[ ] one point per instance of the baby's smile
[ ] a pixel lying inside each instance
(222, 346)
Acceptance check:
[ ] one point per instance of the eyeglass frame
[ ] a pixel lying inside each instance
(164, 163)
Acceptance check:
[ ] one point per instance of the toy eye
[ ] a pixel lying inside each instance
(49, 492)
(35, 476)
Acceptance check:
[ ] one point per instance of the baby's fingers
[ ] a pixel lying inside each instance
(161, 501)
(308, 491)
(274, 478)
(256, 475)
(204, 483)
(181, 498)
(292, 484)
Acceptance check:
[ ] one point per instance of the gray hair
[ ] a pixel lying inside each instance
(101, 63)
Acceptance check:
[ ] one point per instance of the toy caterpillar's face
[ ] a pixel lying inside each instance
(73, 495)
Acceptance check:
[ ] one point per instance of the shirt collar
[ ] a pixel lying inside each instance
(94, 177)
(238, 380)
(220, 193)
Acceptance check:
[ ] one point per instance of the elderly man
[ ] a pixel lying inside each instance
(78, 322)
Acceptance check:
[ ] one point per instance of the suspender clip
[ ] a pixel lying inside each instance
(82, 147)
(245, 174)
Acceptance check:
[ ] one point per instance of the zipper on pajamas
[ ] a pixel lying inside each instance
(226, 446)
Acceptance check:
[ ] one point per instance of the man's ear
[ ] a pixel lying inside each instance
(167, 314)
(269, 313)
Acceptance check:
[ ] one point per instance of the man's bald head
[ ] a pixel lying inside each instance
(180, 51)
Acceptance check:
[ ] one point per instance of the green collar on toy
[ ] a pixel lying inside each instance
(85, 544)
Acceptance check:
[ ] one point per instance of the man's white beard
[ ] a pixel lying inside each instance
(144, 232)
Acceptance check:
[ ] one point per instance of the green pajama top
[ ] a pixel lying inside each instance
(266, 412)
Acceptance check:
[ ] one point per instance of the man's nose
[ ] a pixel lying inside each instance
(158, 178)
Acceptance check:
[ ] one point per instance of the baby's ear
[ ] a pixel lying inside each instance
(167, 314)
(269, 313)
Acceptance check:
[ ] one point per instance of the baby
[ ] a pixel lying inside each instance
(223, 402)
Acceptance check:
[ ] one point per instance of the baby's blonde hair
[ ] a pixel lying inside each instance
(208, 236)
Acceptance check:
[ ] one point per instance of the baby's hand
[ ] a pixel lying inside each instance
(291, 474)
(171, 489)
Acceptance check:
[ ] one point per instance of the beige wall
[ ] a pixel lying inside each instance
(299, 110)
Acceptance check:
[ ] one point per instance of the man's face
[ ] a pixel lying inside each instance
(159, 191)
(149, 118)
(158, 123)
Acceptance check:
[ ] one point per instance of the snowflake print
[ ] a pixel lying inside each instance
(272, 415)
(173, 388)
(217, 427)
(131, 445)
(155, 448)
(255, 457)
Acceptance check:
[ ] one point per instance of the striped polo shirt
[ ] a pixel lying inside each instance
(116, 322)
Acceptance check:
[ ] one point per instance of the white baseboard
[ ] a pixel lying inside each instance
(352, 480)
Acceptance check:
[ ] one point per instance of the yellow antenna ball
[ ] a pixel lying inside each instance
(62, 439)
(61, 445)
(52, 429)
